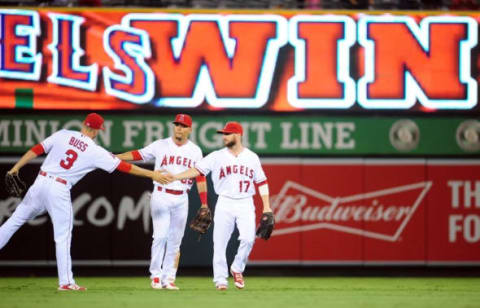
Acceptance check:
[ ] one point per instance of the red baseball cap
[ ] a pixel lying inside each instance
(94, 120)
(231, 128)
(184, 119)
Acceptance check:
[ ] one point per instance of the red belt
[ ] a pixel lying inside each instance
(59, 180)
(171, 191)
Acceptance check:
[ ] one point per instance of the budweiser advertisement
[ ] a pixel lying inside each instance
(363, 211)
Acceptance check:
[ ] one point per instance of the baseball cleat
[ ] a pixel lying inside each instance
(221, 287)
(156, 283)
(71, 287)
(171, 286)
(238, 279)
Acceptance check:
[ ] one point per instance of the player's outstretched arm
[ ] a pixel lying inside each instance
(131, 155)
(157, 176)
(27, 157)
(202, 189)
(188, 174)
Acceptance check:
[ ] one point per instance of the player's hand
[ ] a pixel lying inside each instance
(171, 178)
(162, 178)
(13, 171)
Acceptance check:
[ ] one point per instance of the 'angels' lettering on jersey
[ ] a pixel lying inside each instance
(172, 158)
(176, 160)
(233, 176)
(235, 169)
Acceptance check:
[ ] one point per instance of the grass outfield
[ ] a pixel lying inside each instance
(264, 292)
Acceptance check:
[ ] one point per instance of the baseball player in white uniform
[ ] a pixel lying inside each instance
(236, 171)
(71, 155)
(169, 203)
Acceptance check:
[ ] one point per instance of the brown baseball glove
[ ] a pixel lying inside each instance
(202, 221)
(14, 185)
(267, 223)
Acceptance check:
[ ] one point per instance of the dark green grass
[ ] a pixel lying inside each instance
(264, 292)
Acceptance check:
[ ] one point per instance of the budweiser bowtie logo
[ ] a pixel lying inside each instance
(381, 214)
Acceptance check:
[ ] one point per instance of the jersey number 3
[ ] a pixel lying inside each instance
(67, 163)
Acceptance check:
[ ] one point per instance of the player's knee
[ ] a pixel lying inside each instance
(219, 259)
(60, 239)
(159, 239)
(247, 242)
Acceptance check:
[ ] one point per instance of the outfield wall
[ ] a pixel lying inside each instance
(328, 211)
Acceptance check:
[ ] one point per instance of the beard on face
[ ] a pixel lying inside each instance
(230, 144)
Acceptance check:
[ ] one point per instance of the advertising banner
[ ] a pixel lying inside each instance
(368, 211)
(77, 59)
(279, 135)
(453, 225)
(327, 211)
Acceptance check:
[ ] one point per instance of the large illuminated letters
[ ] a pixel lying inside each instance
(129, 48)
(67, 53)
(228, 61)
(19, 58)
(322, 61)
(406, 62)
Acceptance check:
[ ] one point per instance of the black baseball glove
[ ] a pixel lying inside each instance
(202, 221)
(267, 222)
(14, 185)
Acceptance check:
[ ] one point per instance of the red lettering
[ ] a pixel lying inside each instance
(65, 52)
(138, 84)
(164, 161)
(11, 41)
(77, 143)
(321, 44)
(398, 51)
(236, 77)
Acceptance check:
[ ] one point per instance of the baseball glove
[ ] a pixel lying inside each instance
(267, 222)
(14, 185)
(202, 221)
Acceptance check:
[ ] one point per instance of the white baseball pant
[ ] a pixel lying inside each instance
(47, 194)
(169, 216)
(228, 213)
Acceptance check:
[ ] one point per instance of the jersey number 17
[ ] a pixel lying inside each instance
(244, 186)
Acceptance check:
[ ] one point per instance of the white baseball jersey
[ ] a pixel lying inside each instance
(233, 176)
(71, 155)
(173, 158)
